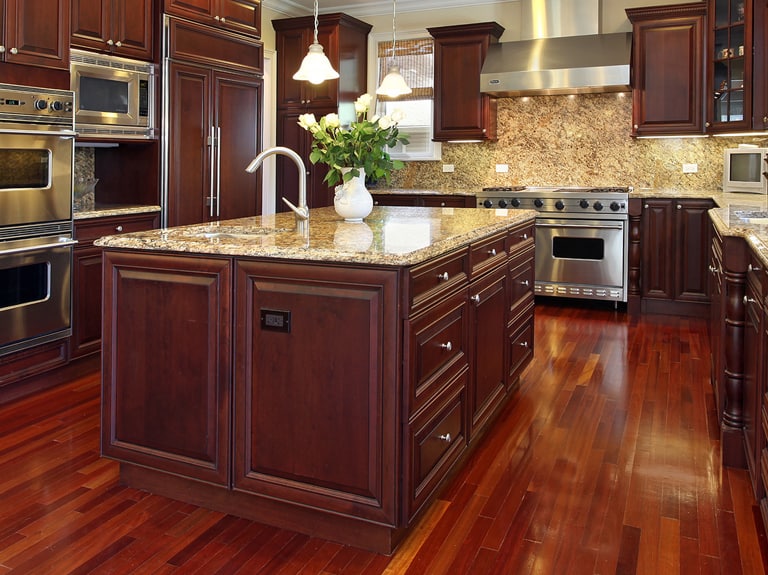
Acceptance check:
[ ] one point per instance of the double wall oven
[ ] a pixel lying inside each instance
(36, 229)
(581, 238)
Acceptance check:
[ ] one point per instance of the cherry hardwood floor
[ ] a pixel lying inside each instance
(605, 461)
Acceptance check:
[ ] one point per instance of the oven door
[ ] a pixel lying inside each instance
(582, 258)
(35, 176)
(35, 285)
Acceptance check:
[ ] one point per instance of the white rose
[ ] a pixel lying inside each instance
(398, 116)
(332, 121)
(375, 119)
(306, 121)
(363, 103)
(385, 122)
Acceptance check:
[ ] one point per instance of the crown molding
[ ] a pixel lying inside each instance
(359, 9)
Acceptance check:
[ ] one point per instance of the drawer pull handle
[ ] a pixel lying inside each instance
(492, 252)
(445, 437)
(447, 346)
(526, 283)
(524, 344)
(443, 276)
(119, 228)
(475, 298)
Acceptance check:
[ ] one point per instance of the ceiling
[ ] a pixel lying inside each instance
(362, 8)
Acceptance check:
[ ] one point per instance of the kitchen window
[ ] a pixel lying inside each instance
(415, 56)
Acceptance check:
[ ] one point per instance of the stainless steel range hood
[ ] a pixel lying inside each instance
(561, 52)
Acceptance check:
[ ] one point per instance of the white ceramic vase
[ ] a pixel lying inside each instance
(353, 201)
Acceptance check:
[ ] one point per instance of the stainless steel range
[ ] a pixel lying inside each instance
(581, 237)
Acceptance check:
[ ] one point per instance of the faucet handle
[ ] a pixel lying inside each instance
(302, 213)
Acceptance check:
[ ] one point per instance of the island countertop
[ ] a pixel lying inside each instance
(388, 236)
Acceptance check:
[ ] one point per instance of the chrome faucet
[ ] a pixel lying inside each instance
(302, 210)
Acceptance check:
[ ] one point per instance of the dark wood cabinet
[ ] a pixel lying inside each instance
(214, 125)
(243, 16)
(461, 112)
(87, 273)
(119, 27)
(754, 366)
(668, 69)
(760, 65)
(426, 200)
(35, 32)
(161, 408)
(344, 40)
(675, 240)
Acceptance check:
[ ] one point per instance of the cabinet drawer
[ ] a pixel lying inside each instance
(437, 349)
(429, 282)
(92, 229)
(488, 253)
(436, 440)
(520, 234)
(521, 275)
(446, 201)
(520, 343)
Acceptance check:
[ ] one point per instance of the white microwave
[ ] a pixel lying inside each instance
(114, 97)
(745, 169)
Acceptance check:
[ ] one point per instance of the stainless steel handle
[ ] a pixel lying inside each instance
(581, 226)
(492, 252)
(447, 346)
(38, 247)
(218, 168)
(212, 144)
(445, 437)
(443, 276)
(60, 133)
(475, 298)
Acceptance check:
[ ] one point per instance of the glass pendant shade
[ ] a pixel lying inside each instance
(393, 84)
(316, 68)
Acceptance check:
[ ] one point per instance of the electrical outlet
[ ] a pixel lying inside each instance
(690, 168)
(447, 168)
(502, 168)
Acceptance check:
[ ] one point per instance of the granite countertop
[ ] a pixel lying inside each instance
(105, 210)
(388, 236)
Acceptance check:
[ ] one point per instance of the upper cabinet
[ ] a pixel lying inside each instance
(729, 61)
(668, 69)
(35, 32)
(242, 16)
(760, 66)
(461, 111)
(119, 27)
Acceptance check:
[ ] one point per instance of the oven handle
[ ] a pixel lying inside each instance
(63, 133)
(38, 247)
(580, 226)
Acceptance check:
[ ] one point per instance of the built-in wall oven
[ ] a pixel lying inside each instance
(581, 238)
(36, 233)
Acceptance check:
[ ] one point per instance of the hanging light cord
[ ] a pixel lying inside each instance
(394, 28)
(316, 22)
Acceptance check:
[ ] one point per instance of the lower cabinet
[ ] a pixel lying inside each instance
(87, 272)
(753, 386)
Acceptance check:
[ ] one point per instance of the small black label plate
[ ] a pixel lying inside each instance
(276, 320)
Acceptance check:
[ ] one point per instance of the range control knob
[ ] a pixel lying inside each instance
(41, 104)
(584, 204)
(515, 203)
(598, 206)
(615, 206)
(488, 203)
(538, 203)
(57, 106)
(502, 203)
(559, 204)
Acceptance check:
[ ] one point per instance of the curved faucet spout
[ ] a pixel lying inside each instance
(302, 210)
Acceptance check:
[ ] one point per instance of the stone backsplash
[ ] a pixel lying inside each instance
(573, 140)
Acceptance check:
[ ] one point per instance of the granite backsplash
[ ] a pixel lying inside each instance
(573, 140)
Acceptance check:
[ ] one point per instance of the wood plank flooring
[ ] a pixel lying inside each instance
(605, 461)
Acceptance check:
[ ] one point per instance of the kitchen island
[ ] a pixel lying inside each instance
(332, 381)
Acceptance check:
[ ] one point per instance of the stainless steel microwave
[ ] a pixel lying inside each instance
(114, 97)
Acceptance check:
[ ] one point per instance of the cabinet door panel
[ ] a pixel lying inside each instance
(238, 118)
(91, 23)
(39, 30)
(241, 15)
(168, 407)
(132, 28)
(657, 249)
(86, 302)
(189, 166)
(691, 274)
(324, 399)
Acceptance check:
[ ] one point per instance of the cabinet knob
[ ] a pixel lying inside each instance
(707, 124)
(679, 207)
(524, 237)
(712, 269)
(524, 344)
(492, 252)
(525, 283)
(110, 42)
(118, 44)
(475, 298)
(445, 437)
(636, 126)
(216, 18)
(223, 20)
(646, 206)
(447, 346)
(443, 276)
(2, 49)
(765, 118)
(752, 268)
(14, 50)
(748, 300)
(118, 228)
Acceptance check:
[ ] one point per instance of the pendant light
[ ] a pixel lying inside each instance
(316, 68)
(393, 84)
